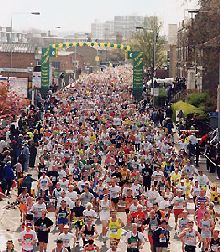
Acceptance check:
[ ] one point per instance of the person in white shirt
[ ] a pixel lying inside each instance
(28, 238)
(38, 207)
(44, 182)
(178, 203)
(89, 213)
(66, 237)
(136, 189)
(157, 175)
(104, 214)
(64, 183)
(135, 239)
(152, 195)
(60, 247)
(64, 197)
(202, 179)
(61, 172)
(114, 193)
(72, 195)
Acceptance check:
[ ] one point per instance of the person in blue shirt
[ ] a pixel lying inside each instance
(8, 177)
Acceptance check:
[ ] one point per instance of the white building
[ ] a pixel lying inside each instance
(6, 36)
(126, 25)
(103, 31)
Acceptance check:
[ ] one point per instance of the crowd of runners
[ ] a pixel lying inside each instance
(98, 154)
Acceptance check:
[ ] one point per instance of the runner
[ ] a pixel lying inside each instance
(59, 247)
(22, 199)
(189, 237)
(135, 239)
(9, 247)
(88, 232)
(178, 206)
(66, 237)
(115, 227)
(161, 237)
(42, 227)
(91, 246)
(62, 215)
(152, 222)
(28, 238)
(104, 214)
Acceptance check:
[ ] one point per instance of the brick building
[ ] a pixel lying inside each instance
(17, 60)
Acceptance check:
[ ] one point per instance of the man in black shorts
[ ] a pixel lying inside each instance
(78, 218)
(42, 227)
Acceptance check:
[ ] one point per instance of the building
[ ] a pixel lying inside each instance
(172, 34)
(186, 60)
(11, 64)
(103, 31)
(121, 29)
(9, 36)
(126, 25)
(172, 54)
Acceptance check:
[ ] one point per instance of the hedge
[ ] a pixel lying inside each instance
(186, 108)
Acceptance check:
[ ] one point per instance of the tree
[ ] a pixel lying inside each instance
(143, 41)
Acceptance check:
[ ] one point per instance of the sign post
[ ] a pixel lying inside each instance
(45, 73)
(137, 74)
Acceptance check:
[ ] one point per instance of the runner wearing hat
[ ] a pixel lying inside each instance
(9, 247)
(28, 238)
(60, 247)
(66, 237)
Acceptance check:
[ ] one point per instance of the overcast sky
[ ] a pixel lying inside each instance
(77, 15)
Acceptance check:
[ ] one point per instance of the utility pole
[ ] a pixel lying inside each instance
(154, 60)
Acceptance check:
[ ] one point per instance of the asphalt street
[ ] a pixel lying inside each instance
(10, 225)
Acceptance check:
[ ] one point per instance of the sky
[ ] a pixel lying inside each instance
(77, 15)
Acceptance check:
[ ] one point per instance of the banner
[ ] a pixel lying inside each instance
(137, 74)
(45, 73)
(53, 51)
(19, 86)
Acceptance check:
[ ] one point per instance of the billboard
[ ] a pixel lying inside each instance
(19, 86)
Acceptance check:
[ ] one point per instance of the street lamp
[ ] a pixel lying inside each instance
(154, 53)
(18, 13)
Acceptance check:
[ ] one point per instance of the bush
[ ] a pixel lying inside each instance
(198, 99)
(160, 100)
(186, 108)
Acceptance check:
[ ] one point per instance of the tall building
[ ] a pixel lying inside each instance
(172, 34)
(103, 31)
(172, 51)
(126, 25)
(121, 29)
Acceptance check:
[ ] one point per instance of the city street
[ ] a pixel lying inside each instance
(110, 126)
(11, 226)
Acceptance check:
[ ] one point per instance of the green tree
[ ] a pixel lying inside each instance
(143, 40)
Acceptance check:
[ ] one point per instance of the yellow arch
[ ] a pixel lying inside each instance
(91, 44)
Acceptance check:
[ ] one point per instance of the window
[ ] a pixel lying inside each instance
(56, 65)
